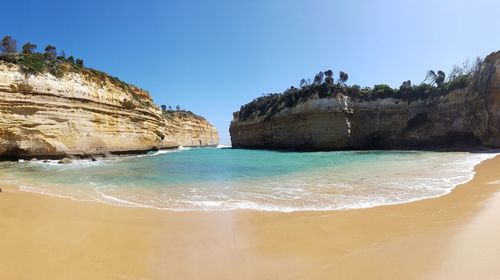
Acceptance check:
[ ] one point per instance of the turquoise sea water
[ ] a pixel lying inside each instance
(223, 179)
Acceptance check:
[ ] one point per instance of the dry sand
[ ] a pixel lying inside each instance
(456, 236)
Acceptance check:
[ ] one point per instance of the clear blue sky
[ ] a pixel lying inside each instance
(213, 56)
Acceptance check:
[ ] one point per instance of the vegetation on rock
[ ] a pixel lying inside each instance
(169, 112)
(8, 45)
(323, 86)
(182, 114)
(33, 63)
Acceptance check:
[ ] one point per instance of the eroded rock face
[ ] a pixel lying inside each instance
(461, 118)
(45, 116)
(483, 102)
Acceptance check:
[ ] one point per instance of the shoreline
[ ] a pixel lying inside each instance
(108, 199)
(103, 155)
(57, 238)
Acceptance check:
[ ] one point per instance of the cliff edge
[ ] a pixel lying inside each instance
(462, 113)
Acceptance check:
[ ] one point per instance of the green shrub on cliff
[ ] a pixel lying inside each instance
(56, 68)
(354, 90)
(36, 63)
(32, 64)
(383, 89)
(180, 115)
(459, 82)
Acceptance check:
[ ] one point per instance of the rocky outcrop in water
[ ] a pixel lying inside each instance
(87, 112)
(463, 117)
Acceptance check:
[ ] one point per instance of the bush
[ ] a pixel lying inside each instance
(324, 91)
(459, 82)
(383, 91)
(383, 88)
(56, 68)
(9, 57)
(32, 64)
(423, 89)
(354, 91)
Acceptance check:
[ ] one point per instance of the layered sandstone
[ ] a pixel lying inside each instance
(462, 118)
(80, 114)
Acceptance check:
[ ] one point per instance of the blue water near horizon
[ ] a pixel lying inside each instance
(226, 179)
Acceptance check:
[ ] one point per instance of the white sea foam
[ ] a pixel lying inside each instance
(120, 202)
(162, 152)
(220, 146)
(73, 164)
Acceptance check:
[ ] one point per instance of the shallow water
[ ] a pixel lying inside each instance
(223, 179)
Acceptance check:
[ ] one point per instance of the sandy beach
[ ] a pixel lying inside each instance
(456, 236)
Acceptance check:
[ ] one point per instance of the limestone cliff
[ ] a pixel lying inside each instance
(464, 117)
(189, 130)
(85, 113)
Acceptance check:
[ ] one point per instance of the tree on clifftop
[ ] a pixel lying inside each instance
(79, 62)
(50, 52)
(163, 107)
(318, 79)
(8, 45)
(433, 78)
(329, 77)
(62, 55)
(343, 77)
(440, 78)
(304, 83)
(405, 87)
(28, 48)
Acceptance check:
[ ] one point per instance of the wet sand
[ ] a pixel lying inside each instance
(456, 236)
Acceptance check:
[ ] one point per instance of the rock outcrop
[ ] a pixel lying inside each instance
(84, 114)
(459, 118)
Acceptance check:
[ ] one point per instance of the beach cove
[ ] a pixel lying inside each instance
(454, 236)
(249, 140)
